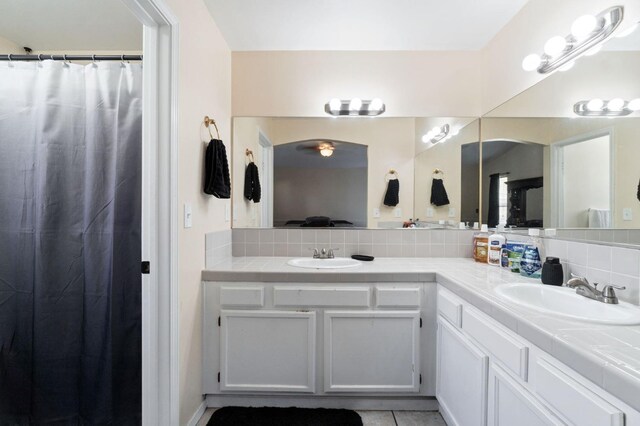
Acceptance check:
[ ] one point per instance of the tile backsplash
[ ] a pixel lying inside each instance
(374, 242)
(217, 247)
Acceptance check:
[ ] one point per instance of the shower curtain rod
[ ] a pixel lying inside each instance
(43, 57)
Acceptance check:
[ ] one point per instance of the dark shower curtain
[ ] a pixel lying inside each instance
(494, 201)
(70, 248)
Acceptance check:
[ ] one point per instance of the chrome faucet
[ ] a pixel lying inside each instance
(324, 253)
(583, 288)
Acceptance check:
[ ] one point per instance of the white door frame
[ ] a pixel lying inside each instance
(556, 167)
(266, 159)
(160, 345)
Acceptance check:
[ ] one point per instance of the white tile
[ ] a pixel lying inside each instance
(437, 237)
(632, 292)
(266, 236)
(337, 237)
(394, 236)
(578, 253)
(309, 236)
(280, 236)
(365, 237)
(323, 237)
(556, 248)
(294, 236)
(599, 257)
(625, 261)
(419, 418)
(252, 236)
(408, 236)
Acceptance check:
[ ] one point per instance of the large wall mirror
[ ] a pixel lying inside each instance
(355, 172)
(544, 165)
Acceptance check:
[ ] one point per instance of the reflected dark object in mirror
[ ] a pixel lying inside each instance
(517, 190)
(638, 190)
(319, 222)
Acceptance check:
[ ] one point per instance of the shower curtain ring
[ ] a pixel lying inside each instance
(9, 56)
(40, 57)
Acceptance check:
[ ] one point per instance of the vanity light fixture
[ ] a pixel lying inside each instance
(326, 150)
(616, 107)
(587, 34)
(355, 107)
(437, 134)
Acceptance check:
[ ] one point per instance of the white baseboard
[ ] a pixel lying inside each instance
(352, 403)
(198, 414)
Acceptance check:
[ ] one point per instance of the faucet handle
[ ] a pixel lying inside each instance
(617, 287)
(578, 277)
(315, 252)
(609, 294)
(330, 253)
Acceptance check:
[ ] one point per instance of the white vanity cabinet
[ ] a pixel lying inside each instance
(487, 374)
(334, 339)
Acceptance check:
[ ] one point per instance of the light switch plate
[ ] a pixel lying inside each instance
(429, 212)
(188, 215)
(452, 212)
(376, 212)
(627, 214)
(397, 212)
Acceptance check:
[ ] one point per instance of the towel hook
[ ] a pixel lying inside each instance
(438, 171)
(249, 154)
(390, 174)
(208, 121)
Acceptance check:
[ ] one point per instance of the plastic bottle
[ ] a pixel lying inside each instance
(481, 245)
(495, 247)
(531, 262)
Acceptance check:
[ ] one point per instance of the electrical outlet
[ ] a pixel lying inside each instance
(188, 215)
(397, 212)
(376, 212)
(429, 212)
(627, 214)
(452, 212)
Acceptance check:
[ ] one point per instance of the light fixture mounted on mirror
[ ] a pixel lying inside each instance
(439, 134)
(355, 107)
(587, 34)
(614, 108)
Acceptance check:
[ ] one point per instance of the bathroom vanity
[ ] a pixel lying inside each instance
(410, 333)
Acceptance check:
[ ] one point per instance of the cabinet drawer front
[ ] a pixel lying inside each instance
(450, 307)
(511, 351)
(576, 403)
(397, 297)
(242, 296)
(321, 296)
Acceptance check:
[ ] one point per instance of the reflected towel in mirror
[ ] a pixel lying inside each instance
(439, 195)
(599, 218)
(252, 190)
(391, 197)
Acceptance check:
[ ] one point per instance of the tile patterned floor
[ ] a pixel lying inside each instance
(379, 418)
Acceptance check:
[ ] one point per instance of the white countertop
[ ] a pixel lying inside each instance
(608, 355)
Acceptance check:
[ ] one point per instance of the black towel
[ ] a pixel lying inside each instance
(438, 193)
(216, 170)
(391, 196)
(252, 183)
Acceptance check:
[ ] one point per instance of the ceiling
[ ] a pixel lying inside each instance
(304, 154)
(361, 24)
(70, 25)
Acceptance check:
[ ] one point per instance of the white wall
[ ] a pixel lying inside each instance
(412, 84)
(9, 47)
(204, 89)
(586, 180)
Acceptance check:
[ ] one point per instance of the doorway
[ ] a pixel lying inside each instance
(583, 182)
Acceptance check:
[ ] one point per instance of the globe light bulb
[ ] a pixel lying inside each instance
(634, 104)
(616, 104)
(531, 62)
(583, 26)
(335, 104)
(595, 105)
(426, 138)
(375, 104)
(555, 46)
(355, 104)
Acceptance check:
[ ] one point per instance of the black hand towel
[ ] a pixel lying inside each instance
(391, 196)
(252, 189)
(438, 193)
(216, 170)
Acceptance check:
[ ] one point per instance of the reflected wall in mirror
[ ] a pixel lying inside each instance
(590, 164)
(349, 182)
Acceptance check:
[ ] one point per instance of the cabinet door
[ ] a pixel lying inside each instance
(511, 404)
(367, 351)
(461, 380)
(267, 351)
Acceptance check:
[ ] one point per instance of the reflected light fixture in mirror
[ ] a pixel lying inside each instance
(438, 134)
(326, 150)
(616, 107)
(355, 107)
(587, 33)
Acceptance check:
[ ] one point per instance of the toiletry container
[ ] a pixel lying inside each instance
(552, 272)
(481, 245)
(496, 241)
(531, 264)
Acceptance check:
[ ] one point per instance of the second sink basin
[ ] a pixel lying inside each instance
(335, 263)
(566, 303)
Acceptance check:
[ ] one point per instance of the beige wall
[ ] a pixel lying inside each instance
(204, 89)
(539, 20)
(7, 47)
(412, 84)
(446, 157)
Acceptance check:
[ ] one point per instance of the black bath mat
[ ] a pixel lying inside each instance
(271, 416)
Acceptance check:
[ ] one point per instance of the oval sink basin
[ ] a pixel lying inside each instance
(564, 302)
(335, 263)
